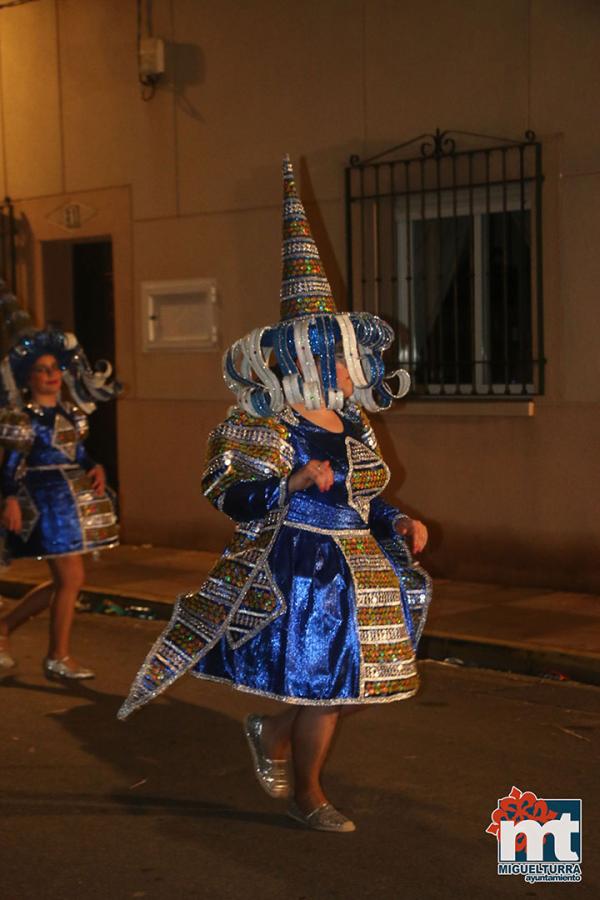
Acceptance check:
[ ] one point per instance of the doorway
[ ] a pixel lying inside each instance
(79, 297)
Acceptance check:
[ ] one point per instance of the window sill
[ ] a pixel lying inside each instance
(467, 408)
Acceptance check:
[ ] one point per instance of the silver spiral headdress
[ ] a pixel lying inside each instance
(21, 345)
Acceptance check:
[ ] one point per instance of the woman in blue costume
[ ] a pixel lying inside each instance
(316, 602)
(56, 506)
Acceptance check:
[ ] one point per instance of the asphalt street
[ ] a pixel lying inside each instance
(165, 806)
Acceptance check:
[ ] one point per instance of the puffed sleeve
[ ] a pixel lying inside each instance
(16, 439)
(248, 463)
(16, 430)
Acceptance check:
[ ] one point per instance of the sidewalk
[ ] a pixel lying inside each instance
(533, 631)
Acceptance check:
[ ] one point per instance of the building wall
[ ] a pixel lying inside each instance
(188, 184)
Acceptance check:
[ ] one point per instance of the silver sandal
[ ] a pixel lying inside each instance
(58, 670)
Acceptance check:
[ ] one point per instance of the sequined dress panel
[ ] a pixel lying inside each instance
(61, 513)
(344, 635)
(316, 600)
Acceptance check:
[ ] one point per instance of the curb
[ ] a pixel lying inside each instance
(522, 659)
(460, 650)
(102, 602)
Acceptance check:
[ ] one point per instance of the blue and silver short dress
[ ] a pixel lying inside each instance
(47, 473)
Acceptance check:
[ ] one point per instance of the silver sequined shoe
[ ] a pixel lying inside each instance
(58, 670)
(324, 818)
(7, 661)
(273, 775)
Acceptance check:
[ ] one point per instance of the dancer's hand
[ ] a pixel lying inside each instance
(98, 479)
(414, 531)
(317, 472)
(11, 515)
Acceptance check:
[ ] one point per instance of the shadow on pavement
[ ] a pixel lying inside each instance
(169, 795)
(170, 745)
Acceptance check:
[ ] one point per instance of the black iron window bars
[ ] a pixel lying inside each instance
(447, 246)
(8, 253)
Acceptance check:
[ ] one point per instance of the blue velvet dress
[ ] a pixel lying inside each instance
(316, 600)
(47, 474)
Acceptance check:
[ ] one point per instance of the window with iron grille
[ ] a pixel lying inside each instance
(446, 246)
(7, 244)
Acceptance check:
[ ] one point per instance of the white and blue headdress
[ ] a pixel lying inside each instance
(311, 328)
(23, 345)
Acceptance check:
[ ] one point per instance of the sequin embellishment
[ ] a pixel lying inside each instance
(245, 448)
(64, 437)
(97, 518)
(388, 663)
(367, 477)
(239, 598)
(16, 432)
(29, 513)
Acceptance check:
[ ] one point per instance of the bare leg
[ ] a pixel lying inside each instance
(68, 574)
(35, 601)
(277, 734)
(346, 711)
(304, 733)
(277, 730)
(312, 732)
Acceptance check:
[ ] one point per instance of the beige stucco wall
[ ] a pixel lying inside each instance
(188, 185)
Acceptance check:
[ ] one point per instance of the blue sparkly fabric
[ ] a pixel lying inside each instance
(316, 600)
(61, 514)
(312, 651)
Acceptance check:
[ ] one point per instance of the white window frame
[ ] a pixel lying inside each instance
(478, 201)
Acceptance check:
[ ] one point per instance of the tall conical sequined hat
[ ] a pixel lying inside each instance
(307, 342)
(305, 289)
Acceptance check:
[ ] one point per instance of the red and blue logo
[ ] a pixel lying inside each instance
(537, 837)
